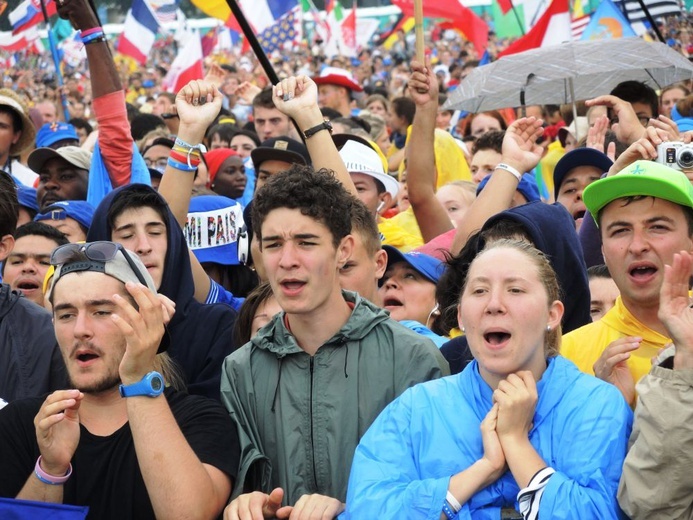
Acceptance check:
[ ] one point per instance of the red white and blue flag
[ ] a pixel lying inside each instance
(139, 32)
(28, 14)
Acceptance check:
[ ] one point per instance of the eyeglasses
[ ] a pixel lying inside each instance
(101, 251)
(158, 164)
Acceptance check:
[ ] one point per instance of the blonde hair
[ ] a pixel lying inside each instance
(170, 371)
(547, 276)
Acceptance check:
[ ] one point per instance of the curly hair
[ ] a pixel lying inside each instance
(317, 194)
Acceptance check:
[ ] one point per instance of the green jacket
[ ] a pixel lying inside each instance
(299, 417)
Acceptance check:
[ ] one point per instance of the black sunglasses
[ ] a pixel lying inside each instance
(101, 251)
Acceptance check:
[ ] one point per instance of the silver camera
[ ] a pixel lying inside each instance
(676, 155)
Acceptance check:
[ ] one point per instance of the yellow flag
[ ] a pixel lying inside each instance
(578, 11)
(214, 8)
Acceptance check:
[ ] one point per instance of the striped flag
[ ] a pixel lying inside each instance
(164, 10)
(657, 8)
(139, 32)
(578, 25)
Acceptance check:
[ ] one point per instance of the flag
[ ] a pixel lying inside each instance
(578, 25)
(259, 13)
(139, 32)
(341, 39)
(209, 41)
(552, 28)
(657, 8)
(285, 30)
(187, 65)
(28, 14)
(13, 42)
(505, 6)
(28, 40)
(464, 19)
(578, 11)
(607, 23)
(29, 509)
(164, 10)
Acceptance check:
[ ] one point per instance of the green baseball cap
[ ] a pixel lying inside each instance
(646, 178)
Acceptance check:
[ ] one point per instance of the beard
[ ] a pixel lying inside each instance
(105, 384)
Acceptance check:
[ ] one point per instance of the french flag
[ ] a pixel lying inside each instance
(262, 14)
(139, 32)
(187, 66)
(28, 14)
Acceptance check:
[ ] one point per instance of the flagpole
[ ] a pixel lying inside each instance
(651, 20)
(517, 17)
(56, 61)
(257, 48)
(418, 31)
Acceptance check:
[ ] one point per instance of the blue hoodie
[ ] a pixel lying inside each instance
(200, 335)
(403, 465)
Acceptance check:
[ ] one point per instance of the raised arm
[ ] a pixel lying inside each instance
(178, 483)
(197, 104)
(115, 140)
(520, 152)
(297, 97)
(431, 216)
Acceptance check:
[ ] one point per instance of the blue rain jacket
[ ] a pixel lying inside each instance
(403, 465)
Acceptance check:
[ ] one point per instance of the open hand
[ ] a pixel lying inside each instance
(143, 330)
(57, 430)
(612, 367)
(520, 148)
(675, 310)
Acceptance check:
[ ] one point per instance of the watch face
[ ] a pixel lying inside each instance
(156, 384)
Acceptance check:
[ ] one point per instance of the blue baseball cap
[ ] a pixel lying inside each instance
(427, 266)
(79, 210)
(51, 133)
(212, 229)
(27, 197)
(575, 158)
(527, 186)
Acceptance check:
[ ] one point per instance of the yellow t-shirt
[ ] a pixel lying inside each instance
(395, 235)
(583, 346)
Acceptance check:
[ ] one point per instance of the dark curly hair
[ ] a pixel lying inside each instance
(317, 194)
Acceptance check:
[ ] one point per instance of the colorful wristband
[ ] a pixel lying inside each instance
(180, 165)
(47, 478)
(185, 159)
(449, 513)
(87, 32)
(94, 36)
(100, 39)
(454, 504)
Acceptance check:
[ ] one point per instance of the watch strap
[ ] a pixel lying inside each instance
(325, 125)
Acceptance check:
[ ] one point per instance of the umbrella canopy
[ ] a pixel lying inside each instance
(567, 73)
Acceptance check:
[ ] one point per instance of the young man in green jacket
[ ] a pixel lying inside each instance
(308, 386)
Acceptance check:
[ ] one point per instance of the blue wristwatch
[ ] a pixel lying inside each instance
(151, 385)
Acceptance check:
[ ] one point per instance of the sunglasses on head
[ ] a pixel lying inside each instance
(101, 251)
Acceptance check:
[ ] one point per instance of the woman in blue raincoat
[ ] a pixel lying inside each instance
(519, 428)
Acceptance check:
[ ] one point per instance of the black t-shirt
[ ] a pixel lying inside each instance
(106, 476)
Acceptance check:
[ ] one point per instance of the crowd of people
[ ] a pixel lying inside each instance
(334, 297)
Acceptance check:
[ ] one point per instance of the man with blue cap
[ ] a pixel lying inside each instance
(70, 217)
(56, 135)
